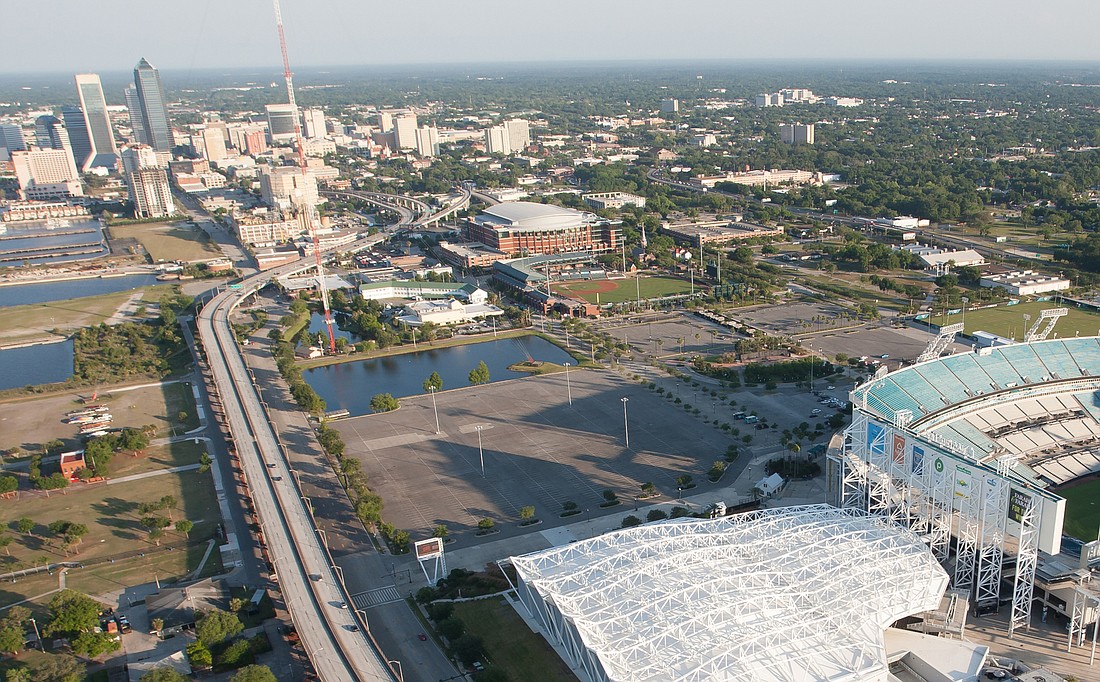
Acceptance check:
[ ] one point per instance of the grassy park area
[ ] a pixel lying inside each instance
(112, 514)
(510, 644)
(629, 289)
(1008, 320)
(169, 241)
(28, 323)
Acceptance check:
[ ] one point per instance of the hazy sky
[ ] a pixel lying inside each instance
(111, 35)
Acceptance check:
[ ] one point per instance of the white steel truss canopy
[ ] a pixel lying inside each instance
(777, 595)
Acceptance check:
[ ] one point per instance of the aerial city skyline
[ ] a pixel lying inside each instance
(586, 343)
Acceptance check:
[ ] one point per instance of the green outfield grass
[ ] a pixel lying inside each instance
(620, 290)
(1008, 320)
(1082, 509)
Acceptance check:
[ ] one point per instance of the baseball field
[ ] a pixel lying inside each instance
(628, 289)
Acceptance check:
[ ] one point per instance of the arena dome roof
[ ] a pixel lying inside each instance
(529, 215)
(777, 595)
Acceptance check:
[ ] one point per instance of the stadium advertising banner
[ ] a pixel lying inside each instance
(1018, 502)
(899, 450)
(927, 465)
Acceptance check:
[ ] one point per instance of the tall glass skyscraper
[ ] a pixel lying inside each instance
(154, 108)
(137, 120)
(78, 134)
(102, 138)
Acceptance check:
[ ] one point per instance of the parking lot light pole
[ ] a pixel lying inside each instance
(480, 451)
(568, 390)
(626, 424)
(434, 409)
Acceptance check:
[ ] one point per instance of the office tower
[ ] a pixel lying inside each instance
(670, 106)
(497, 141)
(11, 137)
(772, 99)
(404, 131)
(46, 174)
(519, 134)
(102, 138)
(797, 133)
(255, 142)
(78, 134)
(285, 187)
(213, 142)
(43, 131)
(280, 123)
(148, 180)
(385, 121)
(427, 141)
(137, 124)
(313, 123)
(153, 105)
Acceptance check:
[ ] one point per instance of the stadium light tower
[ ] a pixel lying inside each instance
(626, 424)
(307, 211)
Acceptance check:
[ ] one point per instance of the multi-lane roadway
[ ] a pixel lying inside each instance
(336, 637)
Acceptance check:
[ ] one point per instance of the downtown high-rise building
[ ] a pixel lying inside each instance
(11, 137)
(98, 124)
(313, 123)
(153, 106)
(78, 134)
(281, 122)
(147, 177)
(137, 123)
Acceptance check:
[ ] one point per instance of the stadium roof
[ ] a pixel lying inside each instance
(797, 593)
(529, 215)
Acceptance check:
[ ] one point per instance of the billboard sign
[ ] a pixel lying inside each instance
(899, 450)
(1018, 503)
(917, 464)
(427, 550)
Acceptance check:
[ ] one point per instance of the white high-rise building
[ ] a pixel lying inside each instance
(385, 121)
(519, 134)
(147, 177)
(427, 141)
(213, 142)
(46, 174)
(497, 140)
(101, 136)
(313, 123)
(404, 131)
(280, 122)
(285, 187)
(773, 99)
(670, 106)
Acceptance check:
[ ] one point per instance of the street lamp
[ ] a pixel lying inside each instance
(626, 424)
(431, 389)
(480, 451)
(568, 390)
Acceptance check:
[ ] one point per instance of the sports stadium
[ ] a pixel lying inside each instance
(947, 477)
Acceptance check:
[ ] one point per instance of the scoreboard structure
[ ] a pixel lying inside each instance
(951, 498)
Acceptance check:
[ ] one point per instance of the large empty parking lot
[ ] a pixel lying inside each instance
(538, 451)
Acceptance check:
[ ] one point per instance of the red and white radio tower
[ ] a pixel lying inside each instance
(307, 211)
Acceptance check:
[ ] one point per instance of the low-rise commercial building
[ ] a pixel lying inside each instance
(468, 255)
(718, 231)
(1025, 282)
(613, 199)
(417, 290)
(758, 178)
(446, 312)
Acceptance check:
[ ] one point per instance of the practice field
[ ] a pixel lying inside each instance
(1082, 512)
(629, 289)
(1008, 320)
(169, 242)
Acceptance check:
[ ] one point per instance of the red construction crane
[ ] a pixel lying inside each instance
(307, 211)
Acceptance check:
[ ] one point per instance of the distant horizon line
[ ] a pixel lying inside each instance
(803, 63)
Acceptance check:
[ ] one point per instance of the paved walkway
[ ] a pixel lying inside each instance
(151, 474)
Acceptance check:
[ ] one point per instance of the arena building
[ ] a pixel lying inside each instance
(966, 451)
(777, 595)
(522, 228)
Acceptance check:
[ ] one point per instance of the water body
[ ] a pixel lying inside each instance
(317, 326)
(51, 241)
(44, 292)
(43, 364)
(351, 385)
